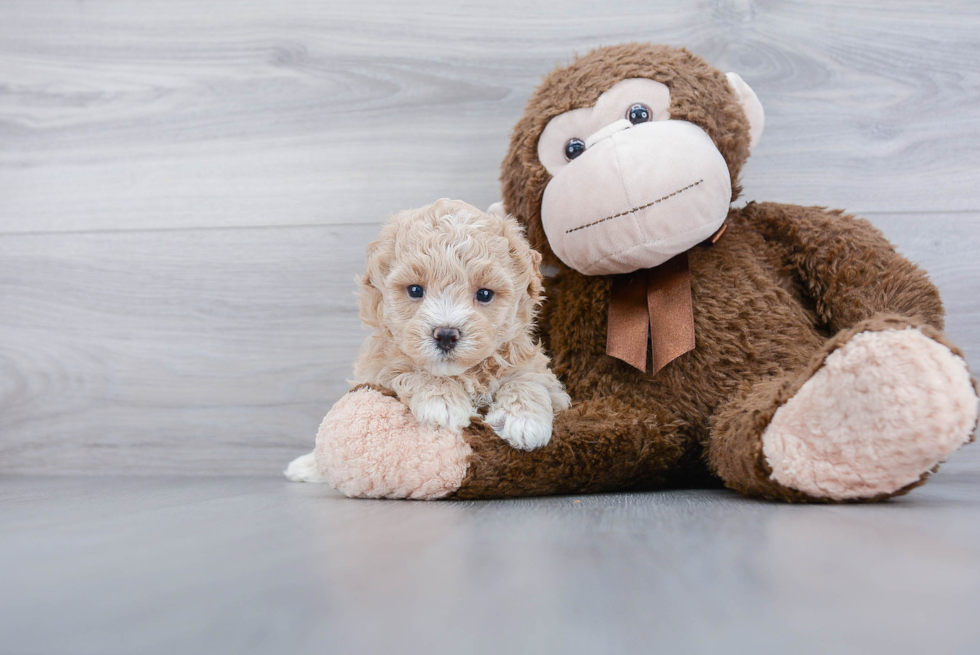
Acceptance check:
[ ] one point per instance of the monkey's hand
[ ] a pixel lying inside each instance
(371, 446)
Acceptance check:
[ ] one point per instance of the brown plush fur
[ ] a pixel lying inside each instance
(782, 289)
(760, 335)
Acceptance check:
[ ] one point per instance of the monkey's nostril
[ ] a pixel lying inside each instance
(446, 338)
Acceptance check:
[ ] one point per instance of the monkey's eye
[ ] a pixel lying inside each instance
(638, 113)
(415, 291)
(574, 148)
(484, 296)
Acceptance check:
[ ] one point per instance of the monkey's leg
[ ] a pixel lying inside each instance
(370, 445)
(878, 407)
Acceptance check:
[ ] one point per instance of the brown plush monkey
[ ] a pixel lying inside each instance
(788, 352)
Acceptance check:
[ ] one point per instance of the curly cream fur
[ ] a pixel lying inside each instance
(452, 249)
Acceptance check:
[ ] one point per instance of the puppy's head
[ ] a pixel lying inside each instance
(451, 285)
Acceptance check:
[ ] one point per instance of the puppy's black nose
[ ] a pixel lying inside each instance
(446, 338)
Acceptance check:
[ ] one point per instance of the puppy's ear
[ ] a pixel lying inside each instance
(527, 264)
(380, 255)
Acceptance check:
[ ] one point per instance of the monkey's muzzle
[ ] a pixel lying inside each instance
(638, 196)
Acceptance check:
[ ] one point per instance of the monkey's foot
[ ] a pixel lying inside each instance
(882, 411)
(371, 446)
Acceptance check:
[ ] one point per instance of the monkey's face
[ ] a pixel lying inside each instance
(630, 187)
(636, 174)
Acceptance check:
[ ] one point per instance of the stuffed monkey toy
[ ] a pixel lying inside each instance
(785, 352)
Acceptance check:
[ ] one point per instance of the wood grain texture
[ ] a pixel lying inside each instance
(208, 351)
(187, 188)
(129, 565)
(168, 114)
(218, 351)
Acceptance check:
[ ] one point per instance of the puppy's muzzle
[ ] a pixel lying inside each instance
(446, 338)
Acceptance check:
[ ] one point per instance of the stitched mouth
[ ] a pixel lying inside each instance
(635, 209)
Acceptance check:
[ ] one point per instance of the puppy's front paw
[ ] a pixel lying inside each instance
(442, 412)
(522, 431)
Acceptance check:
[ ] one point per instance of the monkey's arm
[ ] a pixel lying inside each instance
(369, 445)
(845, 266)
(598, 445)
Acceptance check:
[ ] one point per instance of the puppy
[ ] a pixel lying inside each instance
(450, 295)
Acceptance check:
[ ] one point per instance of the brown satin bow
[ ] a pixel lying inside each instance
(653, 304)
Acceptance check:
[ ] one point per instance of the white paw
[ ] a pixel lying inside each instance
(441, 412)
(560, 401)
(525, 432)
(304, 469)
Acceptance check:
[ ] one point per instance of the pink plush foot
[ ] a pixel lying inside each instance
(884, 409)
(370, 446)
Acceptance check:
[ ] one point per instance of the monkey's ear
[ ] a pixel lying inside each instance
(497, 208)
(750, 105)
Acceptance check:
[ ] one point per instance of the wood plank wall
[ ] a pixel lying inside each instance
(187, 188)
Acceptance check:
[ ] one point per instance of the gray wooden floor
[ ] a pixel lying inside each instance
(186, 191)
(253, 565)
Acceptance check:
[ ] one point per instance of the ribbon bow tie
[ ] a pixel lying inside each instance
(653, 305)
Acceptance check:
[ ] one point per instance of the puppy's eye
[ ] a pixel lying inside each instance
(415, 291)
(638, 113)
(574, 148)
(484, 295)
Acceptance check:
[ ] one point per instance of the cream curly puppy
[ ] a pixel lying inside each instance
(450, 295)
